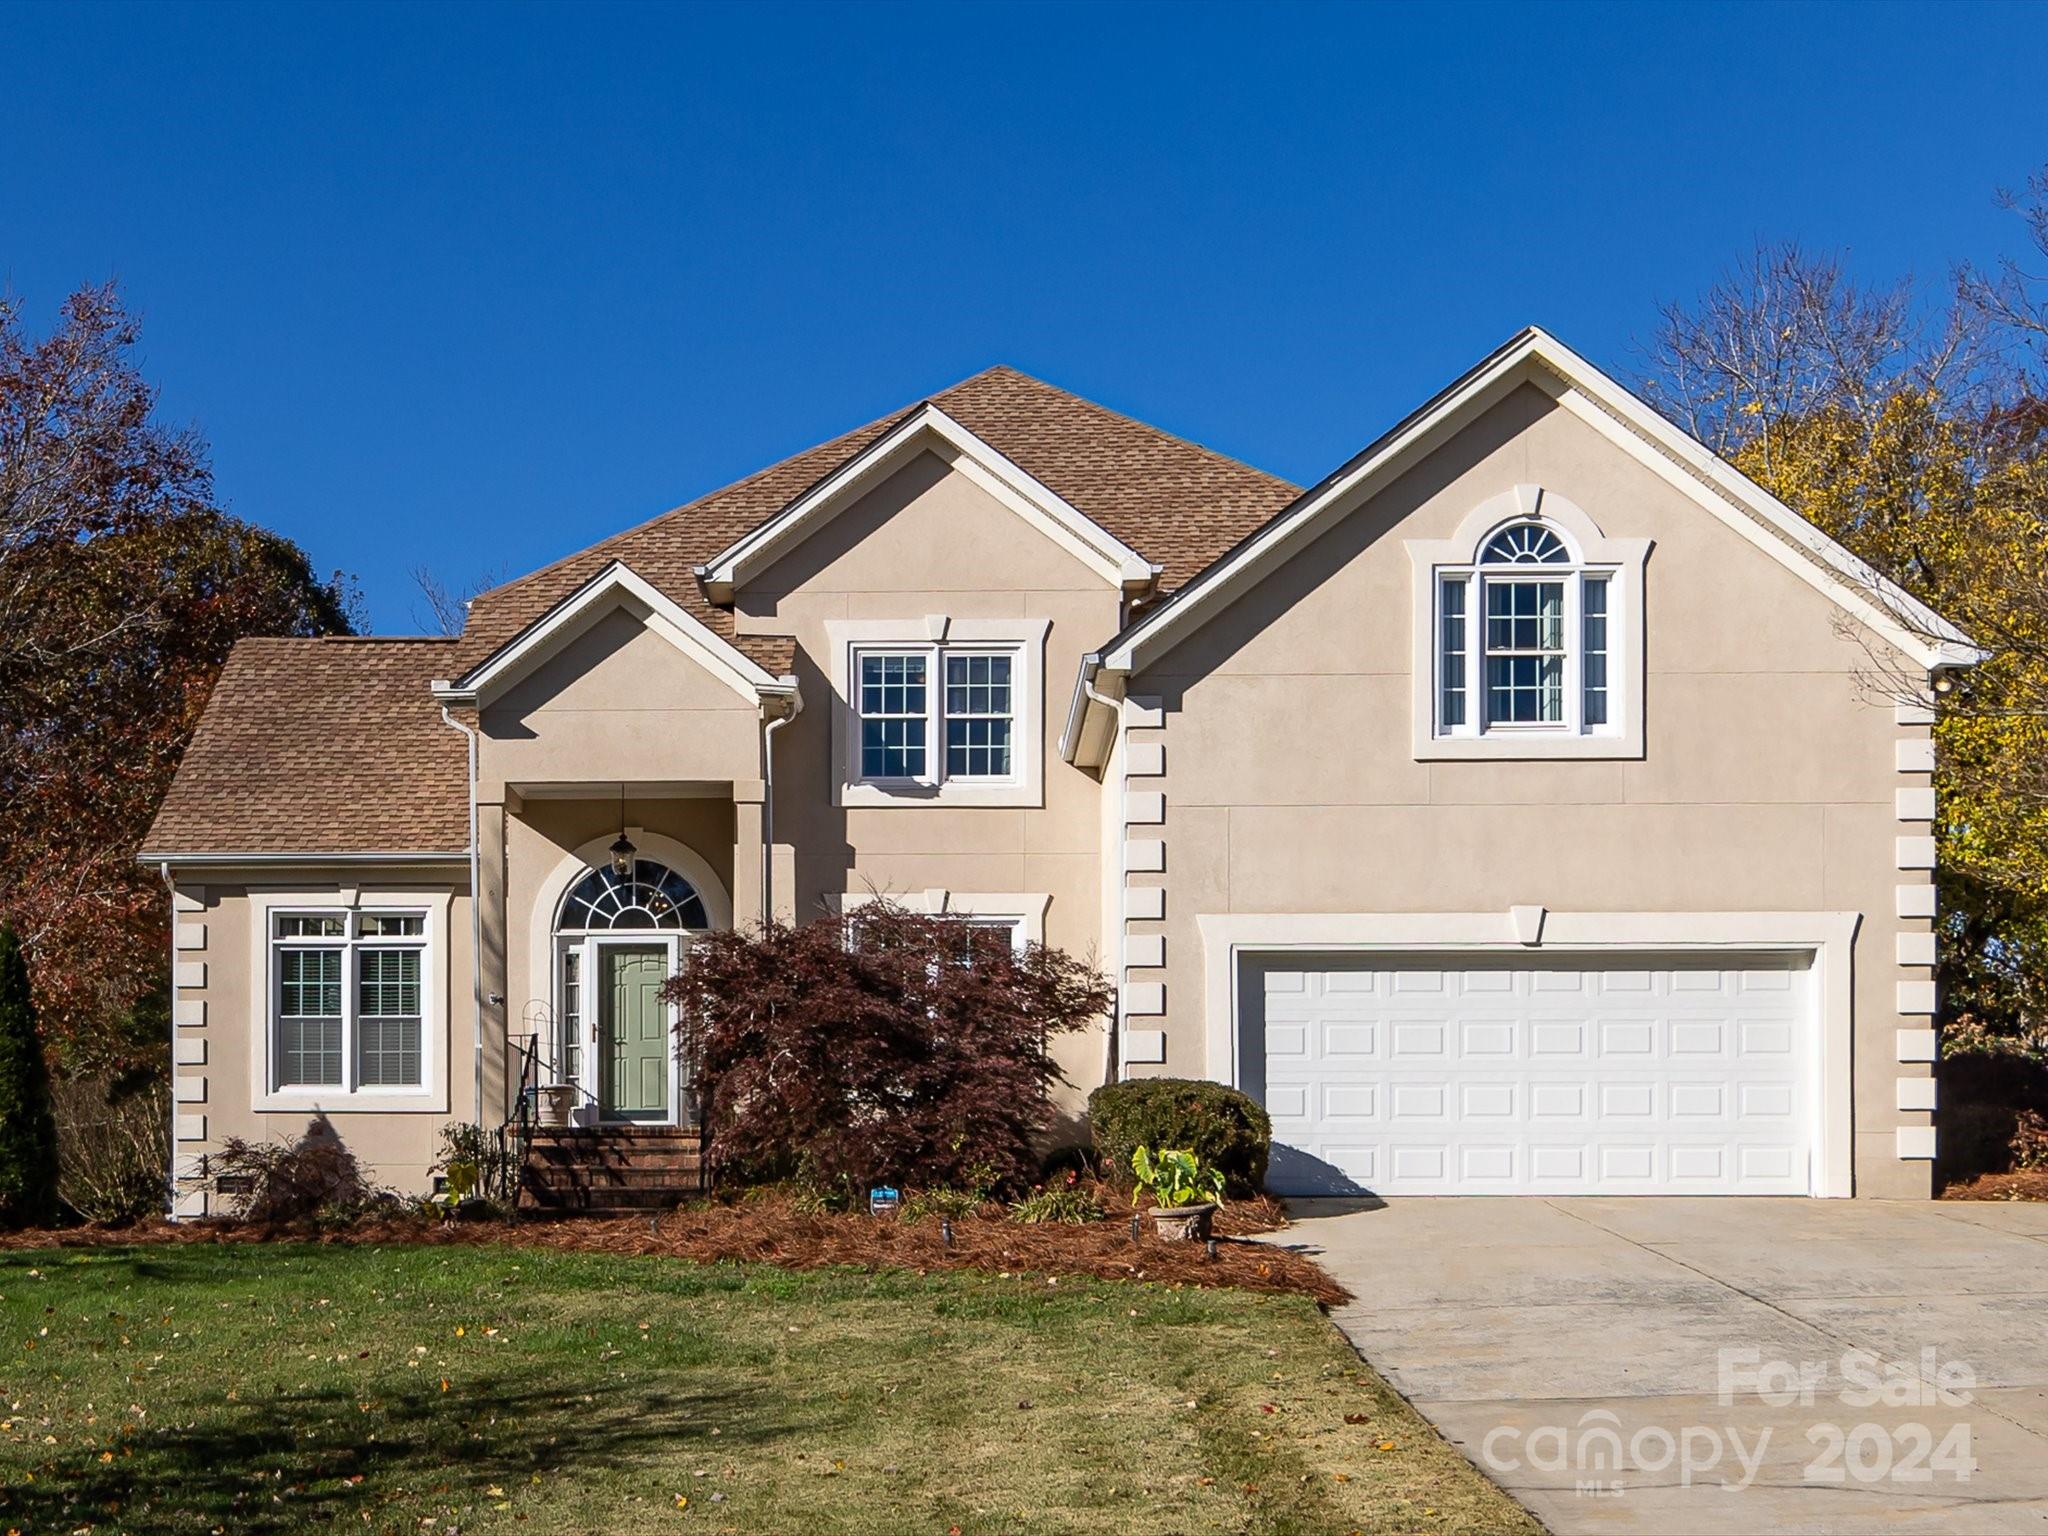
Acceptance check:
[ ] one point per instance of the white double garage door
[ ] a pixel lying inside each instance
(1576, 1075)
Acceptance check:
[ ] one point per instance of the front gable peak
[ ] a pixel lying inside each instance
(617, 586)
(926, 429)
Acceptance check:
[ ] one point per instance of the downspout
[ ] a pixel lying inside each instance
(171, 1126)
(1091, 664)
(476, 916)
(796, 707)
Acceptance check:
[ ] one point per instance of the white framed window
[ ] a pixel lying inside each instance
(1528, 635)
(347, 1000)
(939, 710)
(1017, 917)
(961, 699)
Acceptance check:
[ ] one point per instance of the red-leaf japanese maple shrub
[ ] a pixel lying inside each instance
(883, 1047)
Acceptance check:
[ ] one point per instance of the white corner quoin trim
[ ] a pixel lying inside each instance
(1537, 358)
(616, 586)
(926, 429)
(1829, 937)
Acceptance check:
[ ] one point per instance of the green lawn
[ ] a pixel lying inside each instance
(283, 1388)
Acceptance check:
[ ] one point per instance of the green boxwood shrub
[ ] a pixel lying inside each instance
(1221, 1126)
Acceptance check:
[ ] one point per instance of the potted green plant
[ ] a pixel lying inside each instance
(1183, 1193)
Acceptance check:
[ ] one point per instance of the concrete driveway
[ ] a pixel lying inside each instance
(1692, 1366)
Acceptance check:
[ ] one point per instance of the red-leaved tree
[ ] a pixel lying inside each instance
(885, 1047)
(122, 587)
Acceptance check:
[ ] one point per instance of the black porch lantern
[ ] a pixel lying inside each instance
(623, 850)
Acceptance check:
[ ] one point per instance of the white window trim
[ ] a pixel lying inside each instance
(431, 1094)
(1026, 909)
(1829, 937)
(1621, 561)
(935, 635)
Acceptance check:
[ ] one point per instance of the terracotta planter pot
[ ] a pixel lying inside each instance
(553, 1104)
(1183, 1223)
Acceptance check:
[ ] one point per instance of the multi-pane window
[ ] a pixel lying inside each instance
(571, 1044)
(1525, 653)
(1594, 628)
(894, 711)
(1451, 651)
(347, 1007)
(978, 717)
(972, 716)
(1523, 639)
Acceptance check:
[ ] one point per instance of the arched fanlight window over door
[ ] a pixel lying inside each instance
(653, 897)
(600, 910)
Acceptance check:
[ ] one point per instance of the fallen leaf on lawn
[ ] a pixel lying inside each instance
(682, 1502)
(1386, 1445)
(1267, 1408)
(1357, 1418)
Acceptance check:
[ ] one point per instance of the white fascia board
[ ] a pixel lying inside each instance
(616, 585)
(1079, 534)
(1913, 627)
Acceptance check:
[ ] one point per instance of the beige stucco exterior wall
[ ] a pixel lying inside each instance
(220, 1017)
(928, 541)
(618, 702)
(1766, 784)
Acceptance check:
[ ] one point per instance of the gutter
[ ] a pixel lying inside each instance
(1085, 693)
(795, 708)
(218, 860)
(476, 914)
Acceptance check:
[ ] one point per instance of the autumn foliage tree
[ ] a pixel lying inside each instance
(885, 1047)
(1912, 431)
(122, 587)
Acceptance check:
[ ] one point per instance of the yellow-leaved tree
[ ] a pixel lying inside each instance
(1913, 434)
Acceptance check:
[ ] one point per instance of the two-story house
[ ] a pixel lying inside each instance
(1528, 807)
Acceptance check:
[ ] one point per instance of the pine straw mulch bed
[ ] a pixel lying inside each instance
(767, 1229)
(2022, 1184)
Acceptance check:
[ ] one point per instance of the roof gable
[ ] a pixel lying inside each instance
(1534, 357)
(1175, 503)
(926, 428)
(614, 587)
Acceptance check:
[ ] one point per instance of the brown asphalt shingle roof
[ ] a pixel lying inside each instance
(337, 746)
(1176, 503)
(321, 746)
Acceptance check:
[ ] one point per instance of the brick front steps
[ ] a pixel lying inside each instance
(614, 1170)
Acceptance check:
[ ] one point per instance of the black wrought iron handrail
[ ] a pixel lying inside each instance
(515, 1132)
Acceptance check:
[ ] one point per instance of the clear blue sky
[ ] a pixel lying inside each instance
(472, 286)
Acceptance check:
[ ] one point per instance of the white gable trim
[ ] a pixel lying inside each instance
(926, 429)
(1538, 358)
(616, 586)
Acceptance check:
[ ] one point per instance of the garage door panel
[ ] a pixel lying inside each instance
(1559, 1078)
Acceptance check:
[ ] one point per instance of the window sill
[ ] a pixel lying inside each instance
(954, 792)
(308, 1101)
(1519, 747)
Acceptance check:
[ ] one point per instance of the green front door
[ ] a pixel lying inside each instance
(634, 1040)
